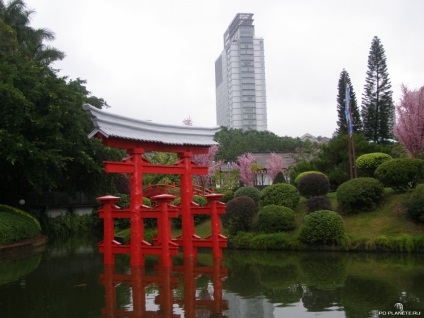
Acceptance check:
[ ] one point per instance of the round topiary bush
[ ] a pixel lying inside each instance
(367, 163)
(400, 174)
(322, 227)
(279, 178)
(275, 218)
(415, 204)
(239, 215)
(280, 194)
(305, 173)
(318, 203)
(248, 191)
(361, 194)
(313, 184)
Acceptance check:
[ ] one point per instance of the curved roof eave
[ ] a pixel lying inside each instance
(112, 125)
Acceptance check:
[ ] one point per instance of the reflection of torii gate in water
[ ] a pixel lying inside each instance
(137, 137)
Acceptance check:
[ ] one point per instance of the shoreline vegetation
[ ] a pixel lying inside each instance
(384, 229)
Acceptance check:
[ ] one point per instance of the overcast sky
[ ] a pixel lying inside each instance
(154, 59)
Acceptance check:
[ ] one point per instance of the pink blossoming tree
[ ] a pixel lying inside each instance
(244, 162)
(409, 127)
(206, 160)
(274, 165)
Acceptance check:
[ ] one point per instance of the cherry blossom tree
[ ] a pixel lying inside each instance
(206, 160)
(409, 127)
(244, 162)
(274, 165)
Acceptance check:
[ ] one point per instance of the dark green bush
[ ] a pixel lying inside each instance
(239, 215)
(318, 203)
(322, 227)
(275, 218)
(16, 226)
(400, 174)
(248, 191)
(313, 184)
(367, 163)
(361, 194)
(283, 194)
(305, 173)
(279, 178)
(198, 218)
(415, 204)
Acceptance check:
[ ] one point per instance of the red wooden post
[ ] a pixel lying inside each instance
(215, 223)
(138, 293)
(136, 200)
(110, 291)
(108, 227)
(164, 225)
(186, 193)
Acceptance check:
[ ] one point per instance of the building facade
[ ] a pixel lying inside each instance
(240, 77)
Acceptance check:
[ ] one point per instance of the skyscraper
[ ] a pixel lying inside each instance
(240, 77)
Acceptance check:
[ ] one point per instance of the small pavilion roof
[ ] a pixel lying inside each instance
(112, 125)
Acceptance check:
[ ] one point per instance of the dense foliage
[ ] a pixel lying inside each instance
(280, 194)
(367, 163)
(322, 227)
(275, 218)
(318, 203)
(400, 174)
(313, 184)
(235, 142)
(361, 194)
(16, 225)
(249, 191)
(43, 128)
(415, 204)
(341, 106)
(377, 111)
(239, 215)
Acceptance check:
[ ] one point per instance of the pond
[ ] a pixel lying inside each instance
(68, 279)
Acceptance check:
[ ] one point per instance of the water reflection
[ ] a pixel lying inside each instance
(69, 279)
(176, 291)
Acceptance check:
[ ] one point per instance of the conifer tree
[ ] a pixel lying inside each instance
(341, 106)
(378, 110)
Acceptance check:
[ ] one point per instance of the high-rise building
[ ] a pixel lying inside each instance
(240, 77)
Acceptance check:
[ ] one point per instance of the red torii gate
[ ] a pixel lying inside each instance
(138, 137)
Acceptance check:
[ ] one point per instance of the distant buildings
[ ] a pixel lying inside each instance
(240, 77)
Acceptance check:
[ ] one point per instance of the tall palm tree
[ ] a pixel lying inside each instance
(31, 41)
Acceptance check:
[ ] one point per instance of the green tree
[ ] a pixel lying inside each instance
(31, 41)
(378, 111)
(341, 106)
(43, 128)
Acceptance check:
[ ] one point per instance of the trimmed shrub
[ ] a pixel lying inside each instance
(361, 194)
(305, 173)
(248, 191)
(239, 215)
(415, 204)
(283, 194)
(279, 178)
(400, 174)
(318, 203)
(16, 225)
(313, 184)
(367, 163)
(322, 227)
(275, 218)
